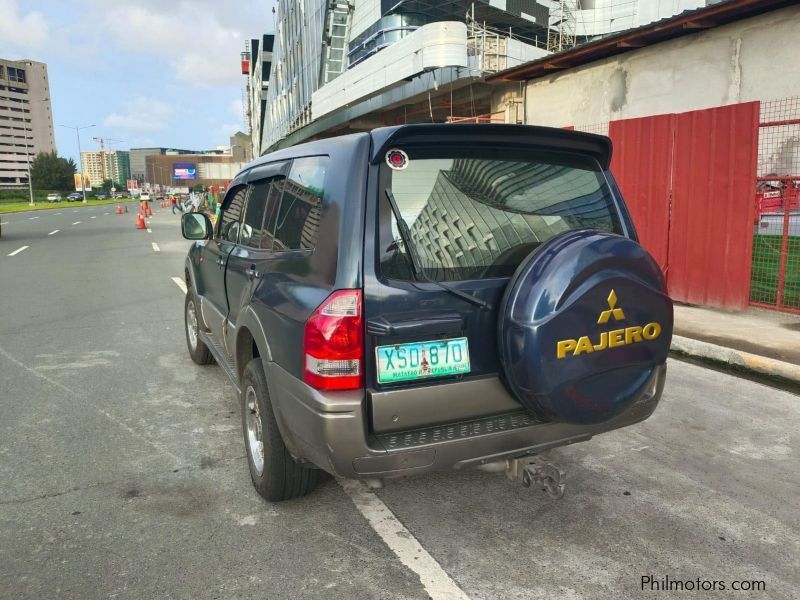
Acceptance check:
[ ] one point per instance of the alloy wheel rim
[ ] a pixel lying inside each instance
(191, 325)
(255, 440)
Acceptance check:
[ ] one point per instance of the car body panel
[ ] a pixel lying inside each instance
(355, 433)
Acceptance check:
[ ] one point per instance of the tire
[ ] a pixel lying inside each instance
(191, 324)
(280, 476)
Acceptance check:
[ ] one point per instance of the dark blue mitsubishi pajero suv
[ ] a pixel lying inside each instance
(427, 297)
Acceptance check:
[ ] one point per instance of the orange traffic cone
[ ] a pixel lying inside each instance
(140, 221)
(149, 211)
(119, 209)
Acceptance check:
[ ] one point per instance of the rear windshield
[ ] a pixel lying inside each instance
(475, 214)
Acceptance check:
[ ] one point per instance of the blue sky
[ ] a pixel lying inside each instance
(149, 72)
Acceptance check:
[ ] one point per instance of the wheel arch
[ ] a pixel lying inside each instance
(251, 341)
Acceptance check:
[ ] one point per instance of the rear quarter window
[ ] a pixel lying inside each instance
(298, 216)
(479, 213)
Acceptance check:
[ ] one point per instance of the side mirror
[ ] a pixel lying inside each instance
(196, 226)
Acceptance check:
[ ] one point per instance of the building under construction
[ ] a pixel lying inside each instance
(334, 66)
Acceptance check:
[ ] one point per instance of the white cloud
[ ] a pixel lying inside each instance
(199, 40)
(236, 108)
(141, 115)
(22, 32)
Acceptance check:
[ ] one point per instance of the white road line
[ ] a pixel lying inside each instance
(56, 214)
(32, 218)
(54, 231)
(74, 211)
(93, 217)
(149, 230)
(3, 222)
(433, 577)
(179, 282)
(76, 223)
(156, 248)
(106, 213)
(18, 250)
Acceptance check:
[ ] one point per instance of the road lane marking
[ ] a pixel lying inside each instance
(405, 546)
(32, 218)
(75, 210)
(54, 231)
(106, 213)
(56, 214)
(156, 248)
(180, 283)
(76, 223)
(18, 250)
(3, 222)
(93, 217)
(149, 230)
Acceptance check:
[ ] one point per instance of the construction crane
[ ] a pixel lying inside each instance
(103, 141)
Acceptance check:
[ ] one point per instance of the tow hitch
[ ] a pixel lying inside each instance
(539, 472)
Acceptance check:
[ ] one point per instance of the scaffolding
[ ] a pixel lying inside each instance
(337, 36)
(561, 34)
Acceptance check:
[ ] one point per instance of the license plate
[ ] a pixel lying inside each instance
(437, 358)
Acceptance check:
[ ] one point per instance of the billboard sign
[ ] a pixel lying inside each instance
(184, 171)
(133, 184)
(87, 184)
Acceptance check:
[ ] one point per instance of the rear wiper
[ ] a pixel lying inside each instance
(416, 264)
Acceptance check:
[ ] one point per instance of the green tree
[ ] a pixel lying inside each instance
(51, 172)
(107, 185)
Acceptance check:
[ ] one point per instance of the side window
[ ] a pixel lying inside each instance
(298, 219)
(231, 216)
(271, 217)
(253, 232)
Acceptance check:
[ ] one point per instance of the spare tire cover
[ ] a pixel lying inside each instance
(584, 323)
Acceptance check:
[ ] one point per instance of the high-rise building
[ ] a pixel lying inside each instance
(110, 164)
(257, 65)
(26, 119)
(337, 66)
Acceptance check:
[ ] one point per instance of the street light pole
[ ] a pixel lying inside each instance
(80, 156)
(28, 164)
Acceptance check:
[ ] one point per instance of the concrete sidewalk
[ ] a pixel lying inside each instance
(759, 341)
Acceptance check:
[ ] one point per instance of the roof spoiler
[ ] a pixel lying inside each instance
(527, 136)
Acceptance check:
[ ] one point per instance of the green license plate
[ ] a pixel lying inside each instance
(438, 358)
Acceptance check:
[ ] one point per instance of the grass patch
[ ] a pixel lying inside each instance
(766, 267)
(24, 206)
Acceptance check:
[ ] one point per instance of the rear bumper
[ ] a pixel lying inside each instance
(330, 430)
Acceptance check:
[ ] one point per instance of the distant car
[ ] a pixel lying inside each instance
(53, 198)
(145, 196)
(74, 197)
(102, 196)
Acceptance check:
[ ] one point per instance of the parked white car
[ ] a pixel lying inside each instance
(54, 197)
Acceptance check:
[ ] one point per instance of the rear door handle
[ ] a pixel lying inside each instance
(252, 273)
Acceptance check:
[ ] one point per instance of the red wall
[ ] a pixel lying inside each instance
(689, 181)
(642, 165)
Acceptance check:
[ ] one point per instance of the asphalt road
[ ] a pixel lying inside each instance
(122, 470)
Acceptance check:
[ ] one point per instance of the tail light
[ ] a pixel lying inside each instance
(333, 343)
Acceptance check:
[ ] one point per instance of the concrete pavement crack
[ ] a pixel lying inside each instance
(113, 482)
(152, 443)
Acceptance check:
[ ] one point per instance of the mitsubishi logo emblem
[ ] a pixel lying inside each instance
(612, 310)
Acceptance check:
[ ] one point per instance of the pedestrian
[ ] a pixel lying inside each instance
(174, 202)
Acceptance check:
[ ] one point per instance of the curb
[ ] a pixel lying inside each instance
(735, 359)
